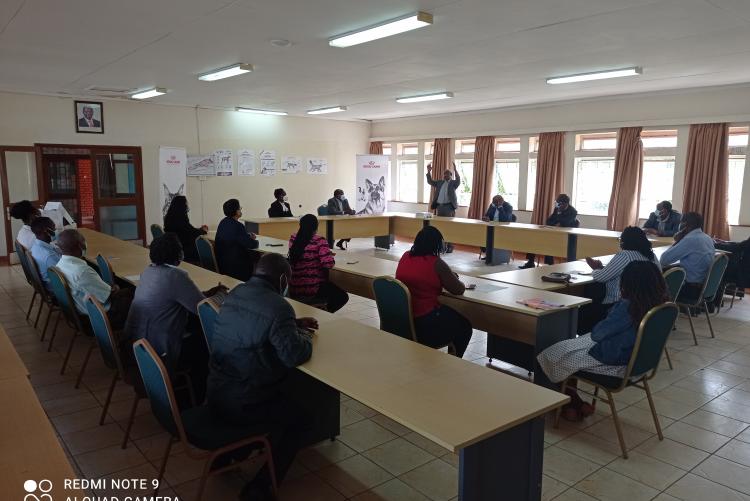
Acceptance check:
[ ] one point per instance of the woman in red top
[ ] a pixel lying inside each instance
(311, 258)
(426, 275)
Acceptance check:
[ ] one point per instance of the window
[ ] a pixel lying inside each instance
(594, 172)
(659, 148)
(408, 171)
(387, 149)
(429, 151)
(738, 137)
(531, 179)
(505, 176)
(466, 172)
(464, 146)
(507, 145)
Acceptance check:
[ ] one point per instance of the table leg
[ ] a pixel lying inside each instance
(572, 246)
(504, 466)
(329, 233)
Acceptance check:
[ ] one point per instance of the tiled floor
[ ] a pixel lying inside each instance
(704, 407)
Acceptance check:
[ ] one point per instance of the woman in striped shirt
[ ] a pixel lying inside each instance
(311, 258)
(635, 247)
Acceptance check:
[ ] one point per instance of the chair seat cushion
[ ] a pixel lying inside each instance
(609, 382)
(208, 432)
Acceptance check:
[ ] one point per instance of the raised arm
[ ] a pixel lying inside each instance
(430, 181)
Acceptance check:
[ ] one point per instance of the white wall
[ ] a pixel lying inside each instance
(27, 119)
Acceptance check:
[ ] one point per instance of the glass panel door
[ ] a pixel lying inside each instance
(18, 177)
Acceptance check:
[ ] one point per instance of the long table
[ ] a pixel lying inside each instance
(11, 365)
(492, 420)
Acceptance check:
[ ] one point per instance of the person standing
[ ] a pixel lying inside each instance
(176, 221)
(233, 243)
(663, 222)
(445, 202)
(339, 206)
(280, 207)
(564, 216)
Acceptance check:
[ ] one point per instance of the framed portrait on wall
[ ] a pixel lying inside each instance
(89, 117)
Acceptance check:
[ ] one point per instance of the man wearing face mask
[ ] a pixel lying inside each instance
(280, 207)
(45, 254)
(563, 216)
(339, 206)
(257, 342)
(663, 222)
(446, 201)
(83, 280)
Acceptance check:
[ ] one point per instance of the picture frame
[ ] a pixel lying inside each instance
(89, 117)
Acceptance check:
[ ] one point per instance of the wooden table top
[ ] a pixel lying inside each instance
(11, 365)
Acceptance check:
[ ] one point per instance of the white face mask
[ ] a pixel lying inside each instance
(285, 198)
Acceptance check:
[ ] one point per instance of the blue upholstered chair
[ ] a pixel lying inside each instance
(21, 253)
(105, 269)
(323, 210)
(156, 231)
(206, 253)
(46, 296)
(675, 279)
(207, 313)
(710, 288)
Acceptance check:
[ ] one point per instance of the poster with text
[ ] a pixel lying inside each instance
(291, 165)
(223, 162)
(172, 174)
(246, 162)
(267, 162)
(317, 166)
(372, 184)
(201, 165)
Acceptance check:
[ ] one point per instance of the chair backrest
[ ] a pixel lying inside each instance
(156, 231)
(323, 210)
(394, 307)
(21, 253)
(35, 275)
(650, 340)
(207, 313)
(675, 279)
(513, 218)
(105, 269)
(61, 291)
(158, 388)
(715, 275)
(206, 253)
(104, 336)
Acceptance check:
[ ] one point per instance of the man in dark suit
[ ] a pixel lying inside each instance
(564, 216)
(663, 222)
(445, 202)
(280, 207)
(88, 120)
(499, 210)
(339, 206)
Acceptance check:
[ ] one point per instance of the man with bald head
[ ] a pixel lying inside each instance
(83, 280)
(257, 342)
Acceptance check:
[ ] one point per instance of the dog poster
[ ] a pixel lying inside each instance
(373, 184)
(223, 162)
(172, 174)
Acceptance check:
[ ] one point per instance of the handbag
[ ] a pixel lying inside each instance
(560, 278)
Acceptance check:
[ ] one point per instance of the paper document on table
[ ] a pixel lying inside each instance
(487, 288)
(539, 304)
(132, 278)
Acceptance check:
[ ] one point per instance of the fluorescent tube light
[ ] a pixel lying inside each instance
(382, 30)
(426, 97)
(156, 91)
(323, 111)
(229, 71)
(597, 75)
(261, 112)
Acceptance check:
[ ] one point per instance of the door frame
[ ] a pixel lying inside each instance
(9, 237)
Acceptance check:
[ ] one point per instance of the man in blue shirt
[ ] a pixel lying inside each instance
(45, 254)
(695, 252)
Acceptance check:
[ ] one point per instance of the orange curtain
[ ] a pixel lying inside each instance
(484, 166)
(376, 148)
(707, 177)
(626, 185)
(550, 170)
(441, 161)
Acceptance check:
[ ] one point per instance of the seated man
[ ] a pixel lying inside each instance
(257, 342)
(233, 243)
(663, 222)
(339, 206)
(83, 280)
(500, 211)
(695, 252)
(44, 253)
(563, 216)
(280, 207)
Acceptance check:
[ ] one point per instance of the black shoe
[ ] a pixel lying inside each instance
(527, 265)
(340, 245)
(449, 249)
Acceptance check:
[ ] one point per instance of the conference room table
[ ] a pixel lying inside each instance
(494, 421)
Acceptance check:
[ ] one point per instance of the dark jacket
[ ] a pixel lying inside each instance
(82, 122)
(255, 345)
(614, 336)
(671, 225)
(231, 245)
(738, 269)
(277, 209)
(186, 232)
(453, 185)
(506, 212)
(333, 207)
(566, 218)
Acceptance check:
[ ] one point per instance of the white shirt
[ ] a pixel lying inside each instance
(83, 280)
(26, 237)
(443, 194)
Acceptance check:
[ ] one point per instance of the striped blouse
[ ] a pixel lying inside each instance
(311, 271)
(610, 274)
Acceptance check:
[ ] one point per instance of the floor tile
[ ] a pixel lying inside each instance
(308, 488)
(715, 422)
(437, 480)
(607, 485)
(695, 437)
(426, 444)
(390, 424)
(633, 436)
(398, 456)
(728, 408)
(354, 475)
(324, 454)
(695, 488)
(737, 451)
(566, 467)
(392, 490)
(181, 469)
(574, 495)
(647, 470)
(551, 488)
(92, 439)
(640, 416)
(725, 472)
(77, 421)
(226, 485)
(348, 416)
(674, 453)
(365, 435)
(109, 460)
(591, 447)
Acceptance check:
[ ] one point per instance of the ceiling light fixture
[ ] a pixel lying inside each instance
(146, 94)
(382, 30)
(323, 111)
(425, 97)
(596, 75)
(229, 71)
(261, 112)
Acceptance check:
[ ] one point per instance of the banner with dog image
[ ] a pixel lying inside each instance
(172, 174)
(373, 184)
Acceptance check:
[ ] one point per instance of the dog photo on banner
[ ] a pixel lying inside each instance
(372, 184)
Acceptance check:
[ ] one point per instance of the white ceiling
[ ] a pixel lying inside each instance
(490, 53)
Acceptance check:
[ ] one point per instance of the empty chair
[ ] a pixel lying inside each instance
(323, 210)
(156, 231)
(46, 296)
(205, 437)
(21, 252)
(650, 341)
(206, 253)
(675, 279)
(105, 269)
(207, 313)
(708, 292)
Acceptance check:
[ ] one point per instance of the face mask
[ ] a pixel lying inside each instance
(285, 198)
(557, 205)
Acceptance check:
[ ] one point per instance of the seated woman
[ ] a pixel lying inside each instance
(608, 348)
(635, 247)
(164, 311)
(233, 243)
(426, 275)
(280, 206)
(311, 258)
(26, 212)
(176, 221)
